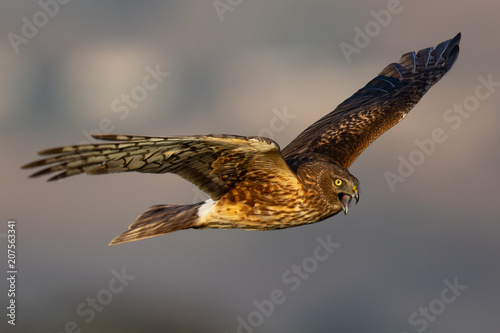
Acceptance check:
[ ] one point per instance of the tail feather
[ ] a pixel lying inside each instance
(158, 220)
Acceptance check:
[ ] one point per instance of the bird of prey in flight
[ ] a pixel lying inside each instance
(250, 181)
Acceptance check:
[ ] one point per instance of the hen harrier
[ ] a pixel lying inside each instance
(250, 182)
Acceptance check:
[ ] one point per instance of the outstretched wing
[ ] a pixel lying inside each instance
(345, 132)
(214, 163)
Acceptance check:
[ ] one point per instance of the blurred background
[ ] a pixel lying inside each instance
(419, 255)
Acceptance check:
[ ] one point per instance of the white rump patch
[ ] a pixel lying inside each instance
(206, 209)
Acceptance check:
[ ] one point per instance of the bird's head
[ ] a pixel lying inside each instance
(338, 187)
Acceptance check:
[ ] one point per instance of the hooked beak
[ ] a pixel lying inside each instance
(345, 199)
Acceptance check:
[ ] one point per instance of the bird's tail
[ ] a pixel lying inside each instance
(158, 220)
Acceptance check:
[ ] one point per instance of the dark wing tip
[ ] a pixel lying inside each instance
(118, 137)
(441, 57)
(444, 53)
(53, 151)
(28, 165)
(451, 52)
(35, 164)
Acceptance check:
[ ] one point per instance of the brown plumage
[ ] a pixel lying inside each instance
(250, 182)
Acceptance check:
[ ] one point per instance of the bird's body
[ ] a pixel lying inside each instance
(252, 184)
(267, 203)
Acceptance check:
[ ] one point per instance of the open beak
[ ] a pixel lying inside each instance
(345, 199)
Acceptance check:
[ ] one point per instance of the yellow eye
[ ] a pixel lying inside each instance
(338, 182)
